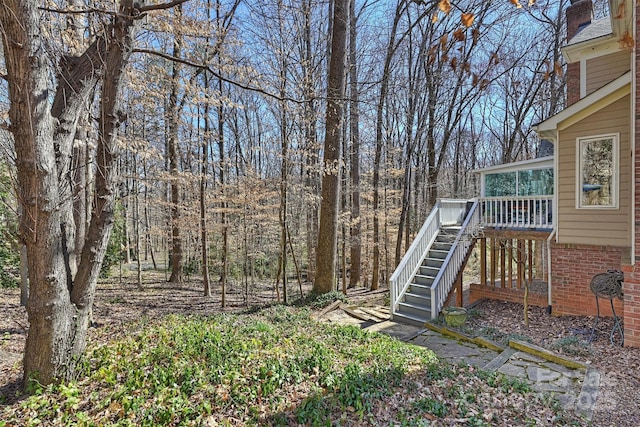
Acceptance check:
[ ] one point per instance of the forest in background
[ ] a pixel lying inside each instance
(220, 147)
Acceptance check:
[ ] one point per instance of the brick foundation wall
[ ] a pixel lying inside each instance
(632, 273)
(572, 268)
(478, 292)
(631, 308)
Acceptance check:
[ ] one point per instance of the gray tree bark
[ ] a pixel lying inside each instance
(327, 244)
(172, 147)
(354, 132)
(59, 301)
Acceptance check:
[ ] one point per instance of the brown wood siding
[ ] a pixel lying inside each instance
(605, 69)
(595, 226)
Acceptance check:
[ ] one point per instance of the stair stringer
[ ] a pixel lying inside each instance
(455, 261)
(426, 302)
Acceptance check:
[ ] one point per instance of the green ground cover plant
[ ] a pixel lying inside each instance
(276, 366)
(572, 345)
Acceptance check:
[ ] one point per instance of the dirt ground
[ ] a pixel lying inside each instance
(618, 401)
(118, 303)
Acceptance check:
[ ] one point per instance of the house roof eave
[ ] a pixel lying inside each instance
(537, 163)
(591, 48)
(588, 105)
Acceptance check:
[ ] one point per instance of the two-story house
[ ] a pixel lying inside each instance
(556, 221)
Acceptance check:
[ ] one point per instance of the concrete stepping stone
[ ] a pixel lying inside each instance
(572, 383)
(499, 360)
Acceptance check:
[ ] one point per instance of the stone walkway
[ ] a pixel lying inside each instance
(574, 385)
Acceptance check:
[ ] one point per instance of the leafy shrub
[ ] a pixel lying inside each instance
(9, 253)
(432, 406)
(191, 267)
(9, 265)
(316, 301)
(116, 247)
(572, 345)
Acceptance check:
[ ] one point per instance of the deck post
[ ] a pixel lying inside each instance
(530, 255)
(520, 263)
(510, 263)
(483, 261)
(503, 272)
(494, 260)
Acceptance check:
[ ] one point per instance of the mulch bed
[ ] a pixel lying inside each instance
(617, 403)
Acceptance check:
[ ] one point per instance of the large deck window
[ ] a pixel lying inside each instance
(518, 195)
(528, 182)
(597, 177)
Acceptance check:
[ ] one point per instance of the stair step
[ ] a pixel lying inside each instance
(420, 300)
(499, 360)
(433, 262)
(428, 271)
(446, 238)
(441, 246)
(410, 319)
(423, 280)
(419, 289)
(435, 253)
(414, 310)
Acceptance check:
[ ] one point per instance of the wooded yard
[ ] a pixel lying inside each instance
(125, 338)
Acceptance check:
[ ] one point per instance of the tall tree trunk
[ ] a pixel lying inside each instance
(384, 89)
(284, 165)
(123, 196)
(312, 149)
(432, 172)
(59, 302)
(81, 151)
(344, 192)
(149, 244)
(326, 253)
(283, 192)
(204, 159)
(136, 231)
(223, 205)
(406, 182)
(172, 119)
(354, 123)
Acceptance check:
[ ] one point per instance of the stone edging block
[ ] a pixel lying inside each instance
(546, 354)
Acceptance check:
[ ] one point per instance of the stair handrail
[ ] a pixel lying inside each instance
(410, 263)
(446, 277)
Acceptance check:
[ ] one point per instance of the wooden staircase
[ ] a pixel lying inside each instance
(432, 273)
(416, 307)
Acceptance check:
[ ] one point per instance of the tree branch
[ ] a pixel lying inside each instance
(218, 75)
(77, 11)
(140, 10)
(162, 6)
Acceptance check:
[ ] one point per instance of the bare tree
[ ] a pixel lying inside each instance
(43, 130)
(384, 90)
(354, 133)
(326, 252)
(173, 110)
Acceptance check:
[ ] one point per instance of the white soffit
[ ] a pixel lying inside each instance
(588, 105)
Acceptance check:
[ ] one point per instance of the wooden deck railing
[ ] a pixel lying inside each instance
(401, 277)
(530, 212)
(446, 212)
(444, 281)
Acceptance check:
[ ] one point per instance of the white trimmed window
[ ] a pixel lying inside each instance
(597, 167)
